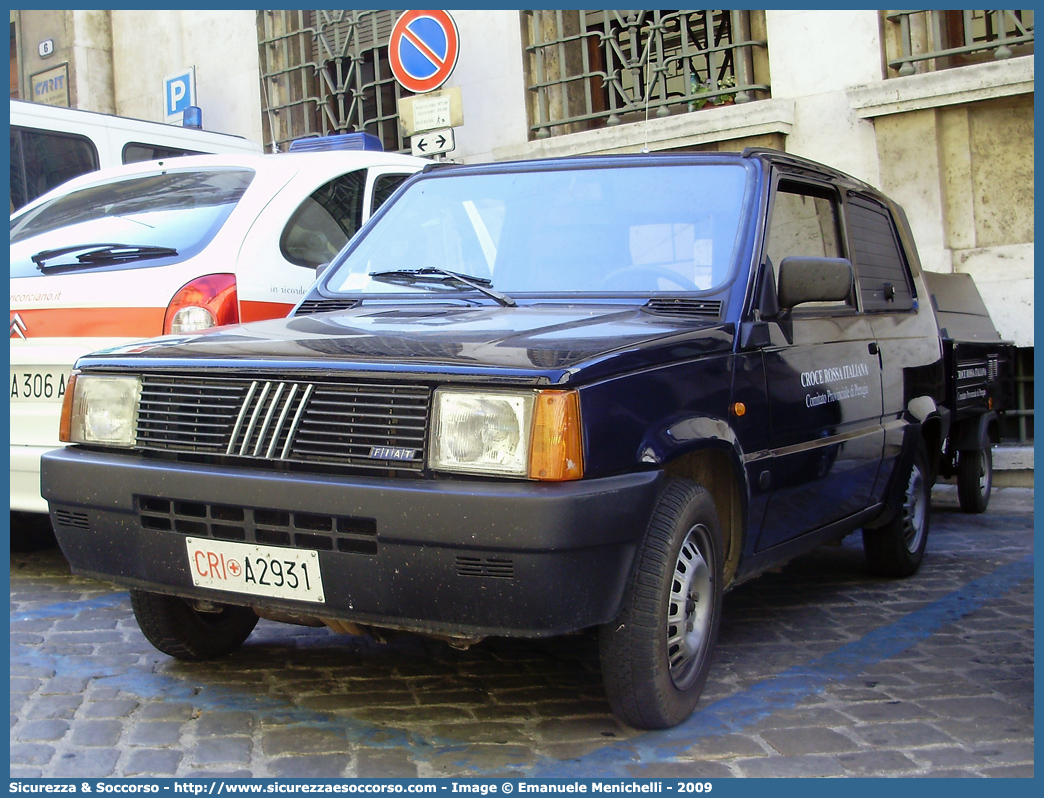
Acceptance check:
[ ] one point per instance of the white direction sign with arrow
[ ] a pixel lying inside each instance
(432, 142)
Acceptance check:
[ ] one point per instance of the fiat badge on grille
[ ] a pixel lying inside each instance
(391, 453)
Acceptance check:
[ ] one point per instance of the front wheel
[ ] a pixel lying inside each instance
(897, 548)
(656, 654)
(176, 627)
(31, 532)
(974, 479)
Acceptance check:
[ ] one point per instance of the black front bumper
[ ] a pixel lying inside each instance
(467, 558)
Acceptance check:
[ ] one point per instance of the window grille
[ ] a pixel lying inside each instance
(934, 40)
(326, 72)
(589, 69)
(1017, 423)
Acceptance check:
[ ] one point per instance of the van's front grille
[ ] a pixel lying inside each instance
(362, 425)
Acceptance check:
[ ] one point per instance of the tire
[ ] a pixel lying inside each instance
(974, 479)
(176, 628)
(31, 532)
(897, 548)
(654, 671)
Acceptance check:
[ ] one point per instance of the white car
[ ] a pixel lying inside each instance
(170, 246)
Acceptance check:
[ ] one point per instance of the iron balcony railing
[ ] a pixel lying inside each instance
(325, 72)
(1017, 423)
(589, 69)
(938, 39)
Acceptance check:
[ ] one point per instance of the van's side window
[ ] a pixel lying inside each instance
(42, 160)
(804, 223)
(882, 274)
(136, 151)
(325, 221)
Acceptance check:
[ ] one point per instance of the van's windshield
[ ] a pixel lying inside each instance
(180, 210)
(622, 230)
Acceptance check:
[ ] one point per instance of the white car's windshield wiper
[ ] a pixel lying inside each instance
(95, 254)
(431, 274)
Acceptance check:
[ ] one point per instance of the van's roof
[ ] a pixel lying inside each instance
(53, 117)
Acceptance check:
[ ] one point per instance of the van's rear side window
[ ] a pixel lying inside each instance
(137, 151)
(43, 159)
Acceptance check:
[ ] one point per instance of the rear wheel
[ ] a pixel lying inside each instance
(897, 548)
(656, 654)
(184, 630)
(974, 479)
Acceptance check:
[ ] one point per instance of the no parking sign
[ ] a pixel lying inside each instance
(423, 49)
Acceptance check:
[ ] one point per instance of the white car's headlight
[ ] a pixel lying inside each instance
(101, 409)
(534, 434)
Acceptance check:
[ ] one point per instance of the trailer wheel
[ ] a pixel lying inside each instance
(897, 548)
(656, 654)
(176, 627)
(974, 479)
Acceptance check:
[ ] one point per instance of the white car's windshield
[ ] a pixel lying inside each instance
(626, 230)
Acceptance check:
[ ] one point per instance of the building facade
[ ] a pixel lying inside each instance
(933, 107)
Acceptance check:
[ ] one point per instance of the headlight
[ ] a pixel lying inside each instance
(533, 434)
(482, 433)
(102, 410)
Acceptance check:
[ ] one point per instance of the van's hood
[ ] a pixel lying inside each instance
(540, 343)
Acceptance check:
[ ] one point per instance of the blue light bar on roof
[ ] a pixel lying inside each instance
(344, 141)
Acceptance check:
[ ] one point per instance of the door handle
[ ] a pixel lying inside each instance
(874, 349)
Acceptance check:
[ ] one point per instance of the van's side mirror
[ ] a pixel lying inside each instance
(804, 279)
(322, 267)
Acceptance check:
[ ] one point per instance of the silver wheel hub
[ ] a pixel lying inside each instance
(915, 508)
(689, 612)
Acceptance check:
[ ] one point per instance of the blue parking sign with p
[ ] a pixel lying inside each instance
(179, 92)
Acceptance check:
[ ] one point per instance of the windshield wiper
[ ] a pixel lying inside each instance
(431, 274)
(94, 254)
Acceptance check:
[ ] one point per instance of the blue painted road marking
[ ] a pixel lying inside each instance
(795, 684)
(731, 714)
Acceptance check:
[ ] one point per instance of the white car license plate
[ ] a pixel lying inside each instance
(257, 570)
(30, 384)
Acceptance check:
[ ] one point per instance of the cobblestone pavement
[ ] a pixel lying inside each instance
(821, 670)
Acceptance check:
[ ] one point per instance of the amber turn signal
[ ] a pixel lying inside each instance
(556, 451)
(739, 409)
(65, 425)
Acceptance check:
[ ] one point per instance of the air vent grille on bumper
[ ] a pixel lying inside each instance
(259, 525)
(362, 425)
(72, 519)
(489, 567)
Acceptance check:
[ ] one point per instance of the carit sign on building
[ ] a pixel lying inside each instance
(423, 50)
